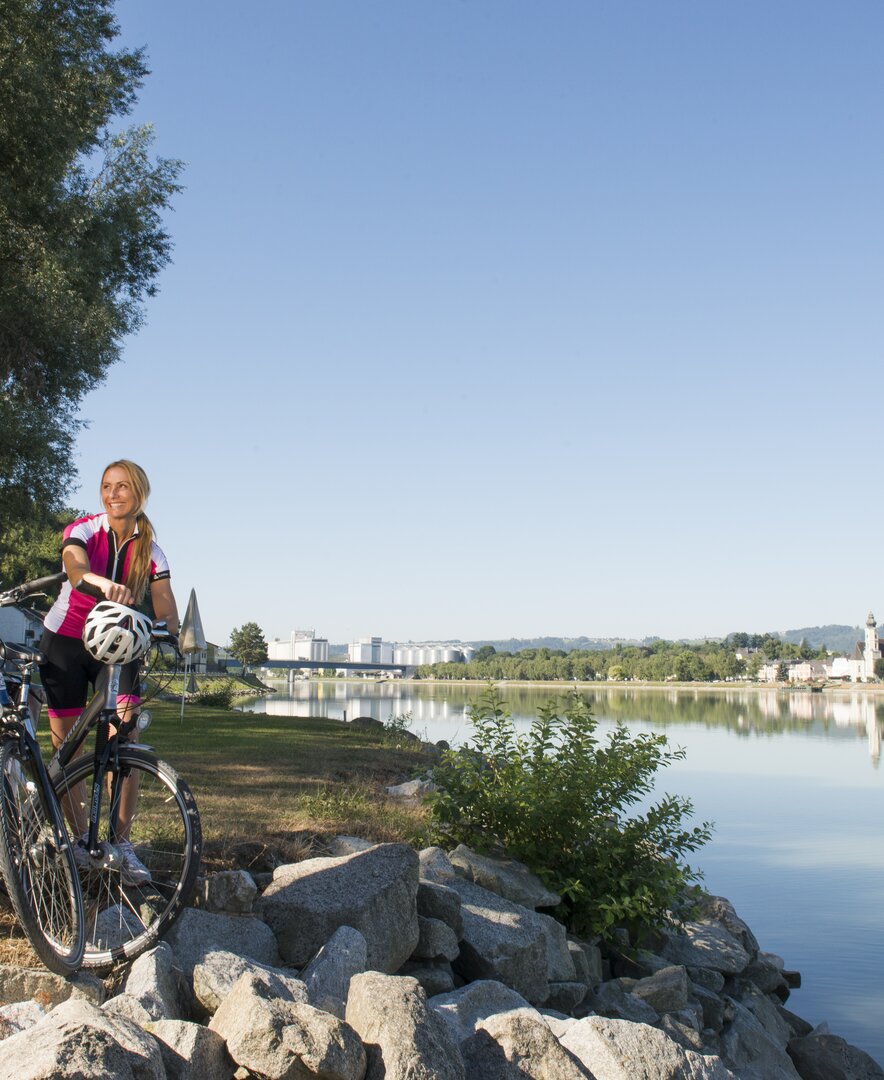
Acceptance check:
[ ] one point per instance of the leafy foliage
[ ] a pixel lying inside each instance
(217, 694)
(81, 232)
(248, 644)
(31, 547)
(566, 804)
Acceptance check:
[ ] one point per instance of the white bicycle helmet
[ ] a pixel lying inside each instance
(116, 634)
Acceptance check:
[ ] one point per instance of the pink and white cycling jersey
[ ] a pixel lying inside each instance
(68, 614)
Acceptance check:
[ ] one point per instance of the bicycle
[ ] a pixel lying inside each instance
(37, 859)
(122, 794)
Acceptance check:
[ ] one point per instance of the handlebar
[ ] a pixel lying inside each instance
(29, 588)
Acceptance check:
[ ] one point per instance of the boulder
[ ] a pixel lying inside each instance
(38, 984)
(502, 941)
(280, 1039)
(373, 891)
(196, 933)
(566, 996)
(19, 1016)
(156, 983)
(436, 866)
(216, 974)
(129, 1007)
(518, 1044)
(79, 1040)
(437, 941)
(611, 1000)
(404, 1038)
(720, 910)
(587, 961)
(230, 891)
(619, 1050)
(506, 877)
(191, 1051)
(560, 966)
(412, 790)
(464, 1010)
(435, 901)
(827, 1057)
(665, 991)
(348, 845)
(750, 1051)
(706, 944)
(327, 976)
(434, 978)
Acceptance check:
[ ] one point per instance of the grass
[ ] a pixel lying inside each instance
(272, 789)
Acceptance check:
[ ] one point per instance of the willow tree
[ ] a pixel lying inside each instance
(82, 239)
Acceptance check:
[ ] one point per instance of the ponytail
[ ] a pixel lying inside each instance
(138, 569)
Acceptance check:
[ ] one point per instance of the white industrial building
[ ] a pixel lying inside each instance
(301, 645)
(370, 650)
(424, 652)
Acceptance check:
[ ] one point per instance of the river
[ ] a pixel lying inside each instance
(791, 781)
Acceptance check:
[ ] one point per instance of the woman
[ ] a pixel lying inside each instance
(109, 556)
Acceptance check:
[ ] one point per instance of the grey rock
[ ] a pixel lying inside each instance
(518, 1044)
(156, 983)
(502, 941)
(413, 790)
(827, 1057)
(612, 1001)
(750, 1051)
(463, 1010)
(217, 973)
(434, 978)
(436, 866)
(679, 1028)
(566, 996)
(230, 891)
(587, 960)
(348, 845)
(721, 910)
(712, 980)
(19, 1016)
(373, 891)
(619, 1050)
(38, 984)
(558, 1024)
(436, 901)
(404, 1039)
(665, 991)
(437, 941)
(196, 933)
(767, 1014)
(706, 944)
(559, 964)
(79, 1040)
(798, 1027)
(327, 976)
(191, 1051)
(506, 877)
(129, 1007)
(711, 1006)
(280, 1039)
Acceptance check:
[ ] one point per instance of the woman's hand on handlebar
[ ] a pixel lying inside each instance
(111, 590)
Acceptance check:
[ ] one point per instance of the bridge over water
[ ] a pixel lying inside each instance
(337, 665)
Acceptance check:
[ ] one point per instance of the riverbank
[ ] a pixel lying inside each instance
(835, 689)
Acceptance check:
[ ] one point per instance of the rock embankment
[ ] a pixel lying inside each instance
(382, 962)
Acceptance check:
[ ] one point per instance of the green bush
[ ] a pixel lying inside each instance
(217, 694)
(564, 803)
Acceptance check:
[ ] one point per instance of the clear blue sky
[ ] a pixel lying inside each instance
(499, 318)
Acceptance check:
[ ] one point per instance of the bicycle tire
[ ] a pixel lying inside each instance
(37, 863)
(124, 920)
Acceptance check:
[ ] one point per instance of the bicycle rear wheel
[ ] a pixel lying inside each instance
(124, 919)
(37, 863)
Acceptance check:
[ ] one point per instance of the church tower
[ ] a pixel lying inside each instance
(871, 652)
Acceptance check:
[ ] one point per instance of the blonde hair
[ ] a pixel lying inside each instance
(138, 571)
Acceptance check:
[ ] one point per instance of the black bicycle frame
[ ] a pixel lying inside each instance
(100, 714)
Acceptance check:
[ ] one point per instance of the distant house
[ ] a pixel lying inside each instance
(21, 624)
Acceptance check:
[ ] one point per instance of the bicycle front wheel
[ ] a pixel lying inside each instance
(37, 862)
(149, 805)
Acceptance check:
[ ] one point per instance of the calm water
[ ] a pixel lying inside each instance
(792, 782)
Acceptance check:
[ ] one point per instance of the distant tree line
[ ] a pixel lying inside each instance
(712, 661)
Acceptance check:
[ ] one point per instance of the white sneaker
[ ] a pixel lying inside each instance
(132, 869)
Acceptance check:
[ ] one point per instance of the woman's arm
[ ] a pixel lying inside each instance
(164, 606)
(76, 565)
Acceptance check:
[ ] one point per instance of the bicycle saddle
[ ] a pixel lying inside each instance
(20, 654)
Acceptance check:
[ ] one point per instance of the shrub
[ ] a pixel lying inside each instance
(564, 803)
(217, 694)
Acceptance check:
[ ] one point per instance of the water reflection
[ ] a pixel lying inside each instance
(440, 710)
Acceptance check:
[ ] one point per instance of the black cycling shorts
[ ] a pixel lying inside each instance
(70, 670)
